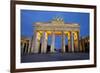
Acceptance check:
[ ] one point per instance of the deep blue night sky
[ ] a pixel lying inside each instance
(29, 17)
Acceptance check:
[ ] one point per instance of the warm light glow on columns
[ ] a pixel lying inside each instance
(69, 41)
(73, 41)
(68, 34)
(48, 32)
(76, 41)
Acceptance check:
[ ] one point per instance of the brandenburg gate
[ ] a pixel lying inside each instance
(53, 28)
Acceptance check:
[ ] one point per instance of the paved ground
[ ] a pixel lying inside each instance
(53, 57)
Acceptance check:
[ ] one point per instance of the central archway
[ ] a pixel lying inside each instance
(58, 43)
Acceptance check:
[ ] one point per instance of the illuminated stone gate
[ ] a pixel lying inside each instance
(53, 28)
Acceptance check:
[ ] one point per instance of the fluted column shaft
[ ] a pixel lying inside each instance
(72, 42)
(52, 42)
(35, 45)
(69, 41)
(63, 43)
(44, 43)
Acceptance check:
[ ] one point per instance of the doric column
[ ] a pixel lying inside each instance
(33, 42)
(52, 42)
(69, 41)
(72, 41)
(35, 45)
(63, 43)
(76, 41)
(44, 43)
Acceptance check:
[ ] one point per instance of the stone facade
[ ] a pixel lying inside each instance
(56, 27)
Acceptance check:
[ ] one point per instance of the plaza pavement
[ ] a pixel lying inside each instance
(53, 57)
